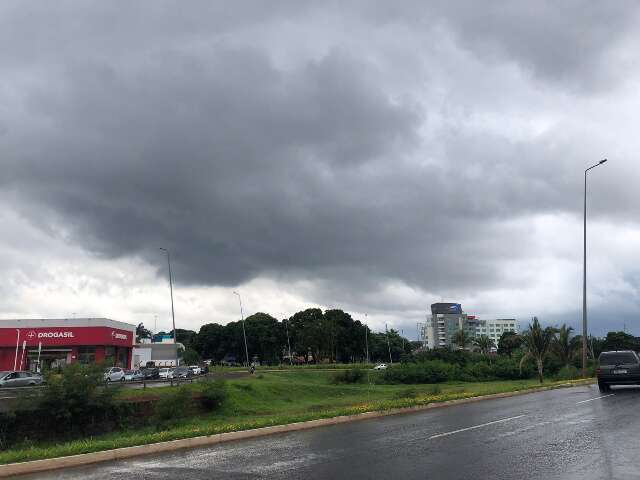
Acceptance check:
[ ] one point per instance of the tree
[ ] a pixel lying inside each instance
(142, 332)
(190, 357)
(620, 341)
(266, 338)
(484, 343)
(536, 342)
(508, 342)
(562, 346)
(461, 338)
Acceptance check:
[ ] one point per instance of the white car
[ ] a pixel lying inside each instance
(114, 374)
(195, 369)
(165, 372)
(382, 366)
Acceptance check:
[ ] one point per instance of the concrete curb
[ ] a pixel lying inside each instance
(36, 466)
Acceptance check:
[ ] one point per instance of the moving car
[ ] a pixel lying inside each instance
(114, 374)
(195, 369)
(133, 375)
(620, 367)
(164, 373)
(382, 366)
(19, 379)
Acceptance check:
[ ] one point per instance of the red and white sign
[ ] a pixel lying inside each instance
(67, 336)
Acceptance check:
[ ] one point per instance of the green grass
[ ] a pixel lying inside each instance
(268, 399)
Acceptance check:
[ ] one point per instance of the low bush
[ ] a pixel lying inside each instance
(173, 406)
(432, 371)
(76, 400)
(354, 375)
(568, 372)
(213, 395)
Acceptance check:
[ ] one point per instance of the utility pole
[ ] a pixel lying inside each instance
(286, 324)
(366, 335)
(173, 315)
(584, 274)
(244, 333)
(15, 360)
(388, 345)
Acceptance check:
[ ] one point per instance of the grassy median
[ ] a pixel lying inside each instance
(268, 399)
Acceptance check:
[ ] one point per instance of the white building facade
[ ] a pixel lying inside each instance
(495, 328)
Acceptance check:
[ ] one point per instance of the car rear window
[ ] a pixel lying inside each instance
(617, 358)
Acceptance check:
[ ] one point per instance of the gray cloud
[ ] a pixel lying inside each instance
(195, 129)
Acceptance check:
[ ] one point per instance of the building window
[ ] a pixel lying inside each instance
(87, 355)
(122, 357)
(109, 355)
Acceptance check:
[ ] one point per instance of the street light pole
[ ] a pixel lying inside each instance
(173, 315)
(366, 334)
(15, 360)
(286, 324)
(244, 334)
(584, 274)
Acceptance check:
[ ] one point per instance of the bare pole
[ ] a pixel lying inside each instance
(173, 314)
(388, 345)
(584, 274)
(286, 324)
(244, 333)
(366, 335)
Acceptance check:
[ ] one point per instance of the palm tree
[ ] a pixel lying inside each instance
(537, 342)
(563, 346)
(484, 343)
(461, 338)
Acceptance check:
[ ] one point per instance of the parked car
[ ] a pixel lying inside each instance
(381, 366)
(181, 372)
(19, 379)
(151, 373)
(195, 370)
(621, 367)
(114, 374)
(164, 373)
(133, 375)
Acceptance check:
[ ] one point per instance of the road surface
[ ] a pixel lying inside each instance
(574, 433)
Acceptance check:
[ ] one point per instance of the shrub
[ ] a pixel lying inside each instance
(433, 371)
(478, 372)
(509, 369)
(568, 372)
(173, 406)
(213, 395)
(76, 399)
(354, 375)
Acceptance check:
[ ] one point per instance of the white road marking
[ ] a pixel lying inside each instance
(475, 426)
(592, 399)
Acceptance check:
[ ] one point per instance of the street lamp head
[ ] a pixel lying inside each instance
(602, 161)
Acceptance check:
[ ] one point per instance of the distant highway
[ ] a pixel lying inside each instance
(574, 433)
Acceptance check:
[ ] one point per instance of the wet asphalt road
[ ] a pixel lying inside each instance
(574, 433)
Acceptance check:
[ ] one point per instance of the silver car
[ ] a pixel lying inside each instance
(19, 379)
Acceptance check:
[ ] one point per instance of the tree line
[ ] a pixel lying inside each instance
(550, 348)
(312, 335)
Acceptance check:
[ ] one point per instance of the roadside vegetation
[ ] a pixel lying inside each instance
(204, 408)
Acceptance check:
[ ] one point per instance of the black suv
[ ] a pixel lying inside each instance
(621, 367)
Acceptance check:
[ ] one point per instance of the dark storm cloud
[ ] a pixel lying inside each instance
(165, 127)
(566, 42)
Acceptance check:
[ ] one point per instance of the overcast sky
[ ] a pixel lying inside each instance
(370, 156)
